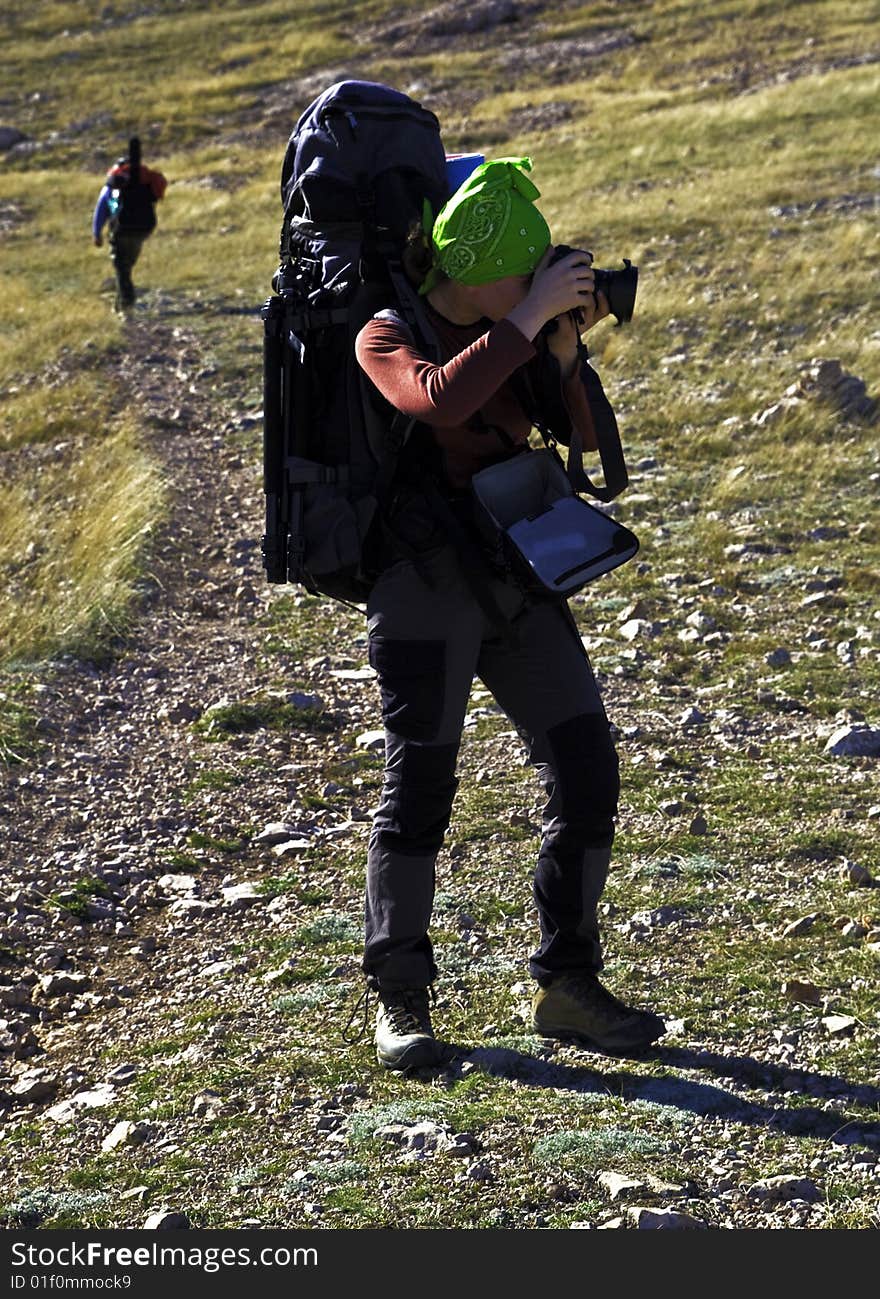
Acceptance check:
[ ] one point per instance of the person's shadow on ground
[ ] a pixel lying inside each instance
(704, 1099)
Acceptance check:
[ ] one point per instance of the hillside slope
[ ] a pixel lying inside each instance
(174, 961)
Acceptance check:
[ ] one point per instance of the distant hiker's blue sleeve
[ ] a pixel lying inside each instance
(102, 211)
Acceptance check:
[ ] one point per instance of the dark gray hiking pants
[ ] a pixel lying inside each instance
(427, 642)
(125, 249)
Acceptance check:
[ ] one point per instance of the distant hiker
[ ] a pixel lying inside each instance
(485, 270)
(128, 202)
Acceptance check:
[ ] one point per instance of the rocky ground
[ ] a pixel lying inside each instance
(135, 860)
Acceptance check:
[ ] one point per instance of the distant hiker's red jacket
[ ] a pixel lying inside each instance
(154, 179)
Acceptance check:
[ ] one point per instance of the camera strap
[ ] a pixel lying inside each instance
(550, 414)
(610, 450)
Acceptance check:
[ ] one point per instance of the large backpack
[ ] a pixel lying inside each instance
(131, 204)
(359, 166)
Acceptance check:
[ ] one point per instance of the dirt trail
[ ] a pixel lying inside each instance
(106, 800)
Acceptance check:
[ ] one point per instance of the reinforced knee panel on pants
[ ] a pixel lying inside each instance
(417, 799)
(586, 770)
(411, 680)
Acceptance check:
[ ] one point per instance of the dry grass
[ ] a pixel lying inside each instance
(70, 549)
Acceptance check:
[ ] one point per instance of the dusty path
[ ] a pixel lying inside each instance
(102, 812)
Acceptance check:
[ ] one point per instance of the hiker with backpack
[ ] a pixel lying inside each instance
(490, 287)
(127, 202)
(415, 339)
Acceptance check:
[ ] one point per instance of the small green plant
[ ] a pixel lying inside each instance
(577, 1150)
(337, 1173)
(223, 720)
(18, 736)
(363, 1125)
(184, 861)
(331, 928)
(213, 781)
(207, 842)
(60, 1209)
(315, 997)
(76, 899)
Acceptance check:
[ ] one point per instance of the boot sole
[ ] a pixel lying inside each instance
(606, 1048)
(420, 1055)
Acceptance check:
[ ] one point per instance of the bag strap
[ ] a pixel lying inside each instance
(607, 434)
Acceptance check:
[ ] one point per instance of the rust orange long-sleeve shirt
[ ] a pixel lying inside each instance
(465, 400)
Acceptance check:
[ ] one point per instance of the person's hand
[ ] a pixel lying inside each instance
(566, 285)
(98, 241)
(594, 310)
(563, 285)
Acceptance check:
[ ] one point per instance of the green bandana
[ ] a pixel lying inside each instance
(490, 227)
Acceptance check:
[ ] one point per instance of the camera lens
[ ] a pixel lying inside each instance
(619, 288)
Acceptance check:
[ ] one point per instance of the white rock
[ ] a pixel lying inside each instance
(122, 1074)
(647, 1218)
(66, 1111)
(785, 1187)
(179, 885)
(637, 629)
(34, 1086)
(425, 1135)
(275, 832)
(55, 985)
(371, 740)
(839, 1025)
(217, 969)
(618, 1185)
(856, 741)
(190, 908)
(291, 846)
(166, 1220)
(127, 1133)
(241, 896)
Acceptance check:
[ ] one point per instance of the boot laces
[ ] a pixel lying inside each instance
(588, 989)
(363, 1001)
(407, 1011)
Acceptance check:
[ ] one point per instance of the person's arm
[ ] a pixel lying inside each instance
(441, 395)
(100, 215)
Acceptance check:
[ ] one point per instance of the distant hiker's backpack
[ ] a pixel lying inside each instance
(131, 204)
(358, 167)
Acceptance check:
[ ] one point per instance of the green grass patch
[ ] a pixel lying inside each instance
(76, 898)
(223, 720)
(577, 1151)
(59, 1210)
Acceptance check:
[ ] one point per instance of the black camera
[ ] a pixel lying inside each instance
(619, 287)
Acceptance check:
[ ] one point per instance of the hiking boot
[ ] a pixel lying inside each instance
(577, 1006)
(404, 1036)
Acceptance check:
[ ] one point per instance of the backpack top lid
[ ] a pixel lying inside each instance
(363, 151)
